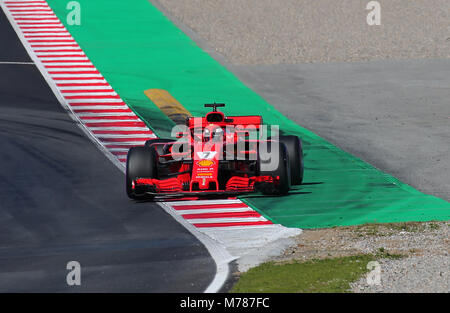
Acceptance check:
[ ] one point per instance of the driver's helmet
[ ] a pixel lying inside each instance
(213, 132)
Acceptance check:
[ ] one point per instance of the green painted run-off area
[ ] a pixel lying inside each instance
(136, 48)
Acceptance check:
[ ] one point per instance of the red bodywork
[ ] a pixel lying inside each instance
(205, 164)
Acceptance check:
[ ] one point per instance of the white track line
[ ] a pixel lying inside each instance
(20, 63)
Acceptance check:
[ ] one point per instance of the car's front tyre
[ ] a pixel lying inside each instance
(275, 162)
(141, 163)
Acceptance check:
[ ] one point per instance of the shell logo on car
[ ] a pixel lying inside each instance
(205, 163)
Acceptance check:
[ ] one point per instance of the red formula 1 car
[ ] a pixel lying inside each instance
(215, 155)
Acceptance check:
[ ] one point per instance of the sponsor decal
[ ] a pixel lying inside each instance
(210, 175)
(205, 163)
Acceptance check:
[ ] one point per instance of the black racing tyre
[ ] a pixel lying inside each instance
(294, 148)
(277, 165)
(159, 148)
(141, 162)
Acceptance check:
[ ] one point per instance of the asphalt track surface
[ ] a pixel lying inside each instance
(62, 200)
(393, 114)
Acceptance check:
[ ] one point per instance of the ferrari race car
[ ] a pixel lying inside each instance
(215, 155)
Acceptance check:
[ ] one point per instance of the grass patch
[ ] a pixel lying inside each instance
(327, 275)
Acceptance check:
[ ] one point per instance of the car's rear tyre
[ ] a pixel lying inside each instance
(295, 151)
(141, 163)
(276, 164)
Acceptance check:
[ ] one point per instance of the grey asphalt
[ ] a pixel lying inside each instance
(393, 114)
(62, 200)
